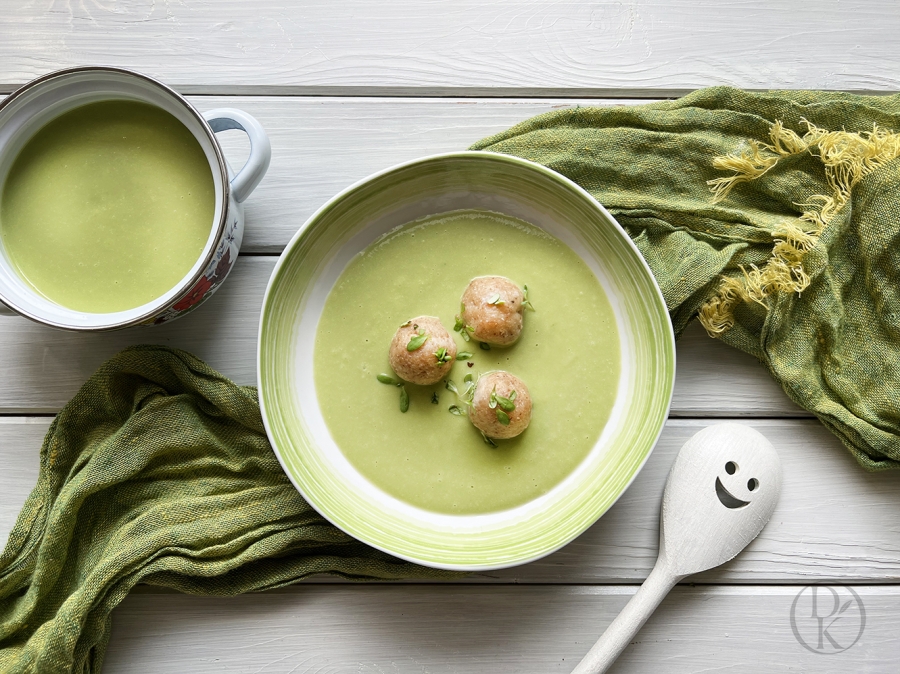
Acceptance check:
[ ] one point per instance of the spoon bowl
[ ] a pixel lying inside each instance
(720, 493)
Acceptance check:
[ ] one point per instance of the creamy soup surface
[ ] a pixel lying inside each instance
(568, 356)
(108, 206)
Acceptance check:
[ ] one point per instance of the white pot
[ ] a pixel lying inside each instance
(30, 108)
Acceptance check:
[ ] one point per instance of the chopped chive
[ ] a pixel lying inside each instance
(459, 325)
(464, 355)
(503, 417)
(434, 398)
(404, 399)
(387, 379)
(484, 346)
(457, 410)
(512, 396)
(417, 341)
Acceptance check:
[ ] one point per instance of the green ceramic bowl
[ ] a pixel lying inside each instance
(352, 220)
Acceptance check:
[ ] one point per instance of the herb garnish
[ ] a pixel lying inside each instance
(466, 396)
(404, 399)
(442, 355)
(434, 398)
(525, 302)
(505, 405)
(488, 440)
(495, 300)
(388, 379)
(463, 329)
(484, 346)
(460, 325)
(391, 381)
(417, 341)
(464, 355)
(457, 410)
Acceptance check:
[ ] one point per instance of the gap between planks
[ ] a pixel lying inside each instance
(637, 95)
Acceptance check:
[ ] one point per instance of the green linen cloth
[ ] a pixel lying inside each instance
(773, 216)
(158, 471)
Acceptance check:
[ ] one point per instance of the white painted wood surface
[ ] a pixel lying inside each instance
(422, 46)
(348, 88)
(373, 629)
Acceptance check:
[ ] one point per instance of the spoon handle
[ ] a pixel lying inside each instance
(622, 630)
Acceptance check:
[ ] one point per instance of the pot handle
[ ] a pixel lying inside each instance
(246, 180)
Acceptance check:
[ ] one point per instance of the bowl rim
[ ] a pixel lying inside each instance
(669, 342)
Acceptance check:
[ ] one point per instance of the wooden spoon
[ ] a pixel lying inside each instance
(719, 495)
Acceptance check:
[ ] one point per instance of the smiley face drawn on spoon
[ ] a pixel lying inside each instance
(728, 499)
(698, 530)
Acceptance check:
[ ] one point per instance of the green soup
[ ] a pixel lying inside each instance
(108, 206)
(568, 355)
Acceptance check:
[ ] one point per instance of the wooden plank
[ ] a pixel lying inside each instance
(410, 46)
(322, 145)
(40, 368)
(713, 379)
(459, 629)
(20, 444)
(834, 521)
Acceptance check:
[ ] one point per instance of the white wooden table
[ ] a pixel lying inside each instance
(348, 87)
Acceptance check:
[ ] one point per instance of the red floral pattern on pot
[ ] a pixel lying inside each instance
(195, 295)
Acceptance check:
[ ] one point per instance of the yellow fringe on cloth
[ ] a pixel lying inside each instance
(847, 157)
